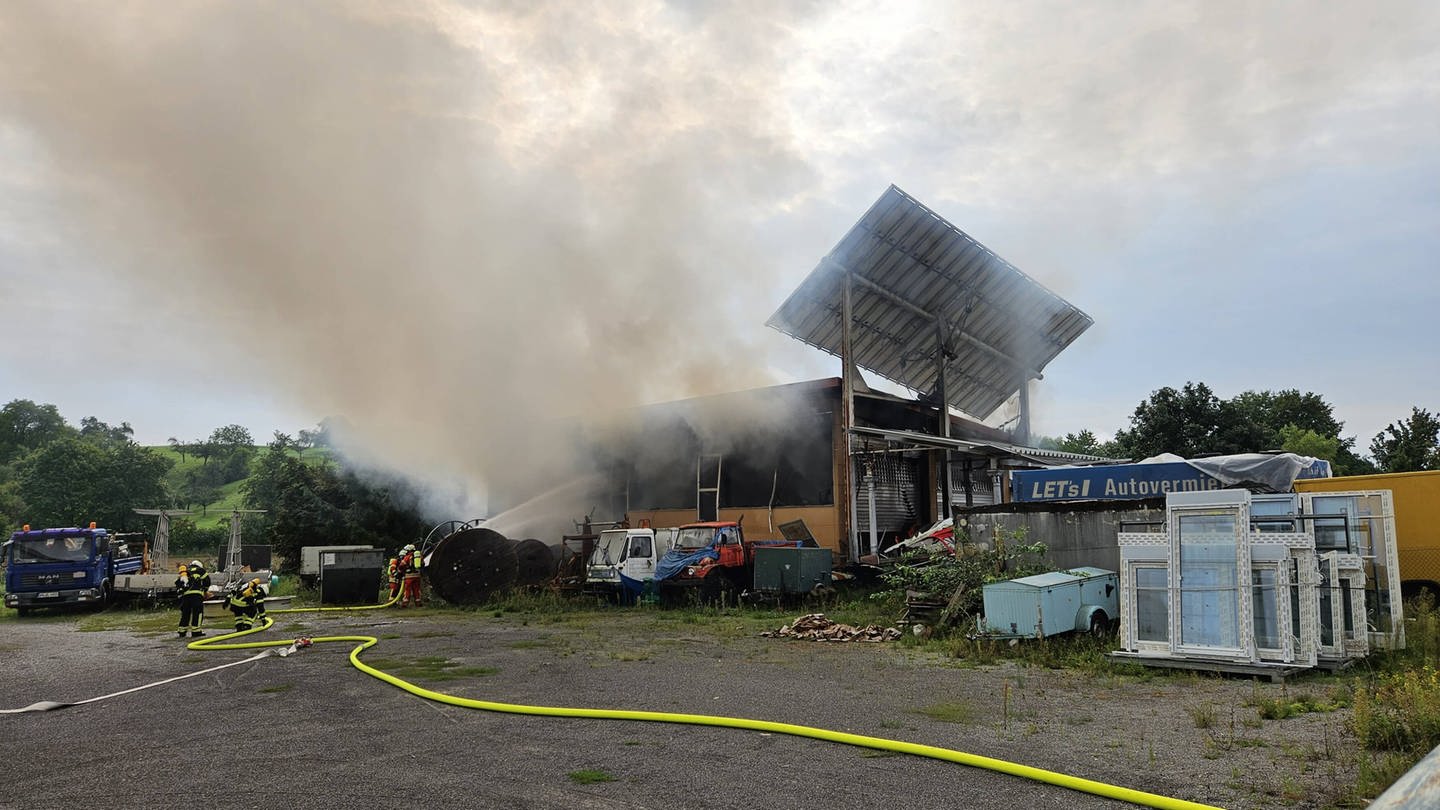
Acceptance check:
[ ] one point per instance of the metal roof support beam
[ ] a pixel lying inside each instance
(890, 296)
(847, 377)
(947, 476)
(892, 245)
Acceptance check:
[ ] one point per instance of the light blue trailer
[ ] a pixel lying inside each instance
(1085, 599)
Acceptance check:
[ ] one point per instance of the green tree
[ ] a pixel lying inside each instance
(231, 438)
(94, 430)
(1272, 411)
(1409, 445)
(304, 440)
(60, 483)
(313, 504)
(12, 506)
(234, 448)
(180, 448)
(1306, 442)
(1189, 422)
(71, 481)
(299, 503)
(26, 426)
(200, 487)
(203, 450)
(188, 539)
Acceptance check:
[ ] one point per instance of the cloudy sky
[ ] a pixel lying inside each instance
(451, 223)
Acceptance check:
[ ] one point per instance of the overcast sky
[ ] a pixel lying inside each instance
(455, 222)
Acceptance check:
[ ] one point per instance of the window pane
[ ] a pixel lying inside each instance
(1267, 609)
(1209, 592)
(1152, 604)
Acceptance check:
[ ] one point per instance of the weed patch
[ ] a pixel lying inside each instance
(590, 776)
(429, 668)
(950, 712)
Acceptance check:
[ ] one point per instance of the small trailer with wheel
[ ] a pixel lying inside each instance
(1084, 599)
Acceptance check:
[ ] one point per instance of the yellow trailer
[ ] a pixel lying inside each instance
(1416, 497)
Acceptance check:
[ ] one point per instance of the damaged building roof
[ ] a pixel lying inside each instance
(922, 285)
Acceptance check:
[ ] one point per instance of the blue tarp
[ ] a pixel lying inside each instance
(677, 559)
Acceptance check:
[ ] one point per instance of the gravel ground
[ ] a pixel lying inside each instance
(309, 730)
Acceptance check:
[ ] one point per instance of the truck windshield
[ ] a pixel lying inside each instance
(609, 549)
(52, 549)
(694, 539)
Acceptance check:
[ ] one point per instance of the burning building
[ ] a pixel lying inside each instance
(907, 297)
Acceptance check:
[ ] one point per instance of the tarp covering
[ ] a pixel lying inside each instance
(677, 560)
(1158, 475)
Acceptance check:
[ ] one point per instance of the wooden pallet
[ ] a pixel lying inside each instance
(1277, 673)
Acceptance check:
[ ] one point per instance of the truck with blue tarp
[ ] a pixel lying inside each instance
(711, 560)
(69, 566)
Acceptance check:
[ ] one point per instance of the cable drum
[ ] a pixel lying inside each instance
(471, 566)
(536, 563)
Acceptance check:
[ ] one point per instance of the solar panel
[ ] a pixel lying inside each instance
(922, 285)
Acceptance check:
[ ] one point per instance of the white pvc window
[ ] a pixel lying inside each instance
(1152, 603)
(1209, 582)
(1265, 596)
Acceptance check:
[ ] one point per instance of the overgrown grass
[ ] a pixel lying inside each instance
(1396, 712)
(1287, 706)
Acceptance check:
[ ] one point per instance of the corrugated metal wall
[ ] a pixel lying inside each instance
(895, 478)
(1075, 536)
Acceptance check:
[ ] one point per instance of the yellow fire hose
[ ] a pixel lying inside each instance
(933, 752)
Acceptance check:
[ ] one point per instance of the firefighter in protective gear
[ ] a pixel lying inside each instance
(247, 602)
(392, 571)
(410, 572)
(191, 586)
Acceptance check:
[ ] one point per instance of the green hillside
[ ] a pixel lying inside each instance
(216, 513)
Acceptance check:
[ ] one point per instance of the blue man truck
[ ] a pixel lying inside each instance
(54, 567)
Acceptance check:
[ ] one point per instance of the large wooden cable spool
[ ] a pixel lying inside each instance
(536, 563)
(471, 566)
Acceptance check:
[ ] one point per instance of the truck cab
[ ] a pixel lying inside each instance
(71, 566)
(712, 557)
(624, 560)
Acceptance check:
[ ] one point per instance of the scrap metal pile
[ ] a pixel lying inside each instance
(816, 627)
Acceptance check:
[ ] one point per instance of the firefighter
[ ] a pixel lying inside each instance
(393, 572)
(257, 596)
(410, 573)
(191, 586)
(247, 602)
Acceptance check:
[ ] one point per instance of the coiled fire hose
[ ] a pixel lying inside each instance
(880, 743)
(283, 648)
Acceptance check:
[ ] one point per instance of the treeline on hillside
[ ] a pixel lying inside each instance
(1193, 422)
(53, 473)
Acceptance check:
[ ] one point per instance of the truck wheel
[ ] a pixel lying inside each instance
(23, 611)
(718, 589)
(822, 594)
(104, 600)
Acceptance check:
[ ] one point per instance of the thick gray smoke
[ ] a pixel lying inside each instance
(460, 225)
(456, 228)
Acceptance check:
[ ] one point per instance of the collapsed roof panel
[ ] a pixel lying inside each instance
(921, 285)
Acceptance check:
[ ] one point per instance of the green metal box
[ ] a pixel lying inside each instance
(791, 570)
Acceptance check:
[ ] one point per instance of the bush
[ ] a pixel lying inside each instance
(1400, 712)
(968, 570)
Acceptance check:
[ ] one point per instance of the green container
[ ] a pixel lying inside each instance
(791, 570)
